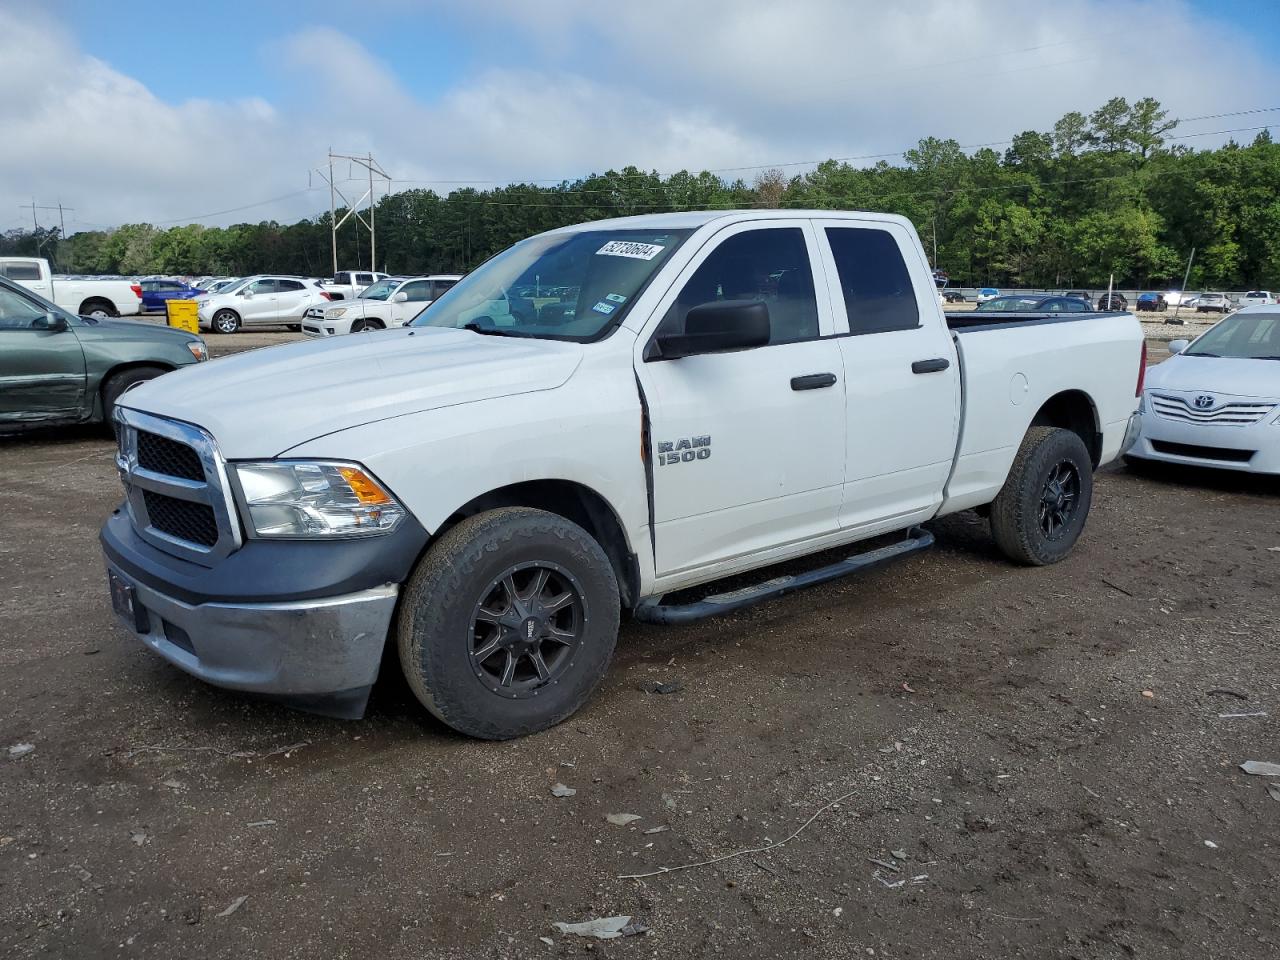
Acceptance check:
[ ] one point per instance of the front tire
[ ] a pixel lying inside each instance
(225, 321)
(116, 384)
(508, 623)
(1041, 510)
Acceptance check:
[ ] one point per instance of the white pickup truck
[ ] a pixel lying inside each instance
(678, 398)
(85, 297)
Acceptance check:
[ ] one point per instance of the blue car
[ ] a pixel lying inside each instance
(156, 292)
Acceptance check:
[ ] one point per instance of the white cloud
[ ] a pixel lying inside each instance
(667, 84)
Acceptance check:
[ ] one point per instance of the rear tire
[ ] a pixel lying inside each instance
(98, 309)
(1041, 510)
(477, 589)
(225, 321)
(293, 327)
(116, 384)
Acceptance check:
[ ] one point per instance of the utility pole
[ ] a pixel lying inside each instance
(374, 168)
(1182, 294)
(35, 220)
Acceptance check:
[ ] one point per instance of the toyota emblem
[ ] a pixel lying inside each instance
(1204, 401)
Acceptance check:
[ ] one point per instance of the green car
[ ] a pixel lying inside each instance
(57, 368)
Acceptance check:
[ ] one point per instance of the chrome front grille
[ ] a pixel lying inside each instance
(1232, 414)
(176, 487)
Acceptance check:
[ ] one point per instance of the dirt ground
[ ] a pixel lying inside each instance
(988, 726)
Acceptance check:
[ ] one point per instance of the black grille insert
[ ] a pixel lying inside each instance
(170, 457)
(193, 522)
(1203, 453)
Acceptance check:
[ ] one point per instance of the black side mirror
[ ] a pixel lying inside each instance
(51, 323)
(717, 327)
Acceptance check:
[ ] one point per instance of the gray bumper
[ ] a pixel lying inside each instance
(309, 651)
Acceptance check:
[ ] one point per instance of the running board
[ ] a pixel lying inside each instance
(653, 611)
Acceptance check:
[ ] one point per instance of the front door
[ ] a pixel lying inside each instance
(902, 378)
(259, 307)
(42, 371)
(417, 297)
(747, 447)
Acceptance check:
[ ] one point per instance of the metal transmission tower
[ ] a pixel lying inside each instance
(335, 192)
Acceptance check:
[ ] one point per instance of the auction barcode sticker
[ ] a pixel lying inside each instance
(626, 248)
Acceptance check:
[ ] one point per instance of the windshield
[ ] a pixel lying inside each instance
(564, 286)
(1248, 336)
(235, 285)
(380, 290)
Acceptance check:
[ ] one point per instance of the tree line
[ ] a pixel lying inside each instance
(1114, 191)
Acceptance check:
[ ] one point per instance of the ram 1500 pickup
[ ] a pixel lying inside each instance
(97, 297)
(687, 397)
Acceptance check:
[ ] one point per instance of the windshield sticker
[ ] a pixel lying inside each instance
(602, 307)
(626, 248)
(615, 298)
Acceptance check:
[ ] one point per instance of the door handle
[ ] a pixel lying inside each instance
(813, 381)
(930, 366)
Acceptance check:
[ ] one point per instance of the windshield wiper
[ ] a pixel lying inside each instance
(491, 331)
(1199, 354)
(1262, 358)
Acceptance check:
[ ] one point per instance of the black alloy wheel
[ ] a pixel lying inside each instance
(526, 628)
(1059, 500)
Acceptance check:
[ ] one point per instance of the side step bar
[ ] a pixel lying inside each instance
(653, 610)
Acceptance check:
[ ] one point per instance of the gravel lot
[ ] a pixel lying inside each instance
(990, 728)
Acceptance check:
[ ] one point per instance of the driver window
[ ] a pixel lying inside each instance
(263, 286)
(418, 291)
(18, 313)
(769, 265)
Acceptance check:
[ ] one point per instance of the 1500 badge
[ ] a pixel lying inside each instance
(685, 450)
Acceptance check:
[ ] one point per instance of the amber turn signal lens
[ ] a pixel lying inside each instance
(365, 489)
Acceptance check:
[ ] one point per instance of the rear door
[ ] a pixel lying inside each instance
(42, 371)
(902, 384)
(747, 447)
(292, 300)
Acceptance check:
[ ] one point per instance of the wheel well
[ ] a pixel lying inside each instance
(90, 301)
(1073, 410)
(121, 368)
(576, 503)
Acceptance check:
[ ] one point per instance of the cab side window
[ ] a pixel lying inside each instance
(418, 291)
(18, 313)
(878, 294)
(770, 266)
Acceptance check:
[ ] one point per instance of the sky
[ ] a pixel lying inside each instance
(145, 111)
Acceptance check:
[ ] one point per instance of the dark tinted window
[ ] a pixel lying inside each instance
(20, 271)
(364, 278)
(417, 291)
(290, 285)
(441, 286)
(769, 265)
(874, 280)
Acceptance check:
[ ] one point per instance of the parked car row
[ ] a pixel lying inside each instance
(390, 302)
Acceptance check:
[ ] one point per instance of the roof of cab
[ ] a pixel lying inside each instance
(693, 219)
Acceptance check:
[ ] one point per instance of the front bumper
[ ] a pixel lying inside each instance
(1249, 448)
(320, 654)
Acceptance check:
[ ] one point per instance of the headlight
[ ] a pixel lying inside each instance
(198, 349)
(334, 313)
(294, 499)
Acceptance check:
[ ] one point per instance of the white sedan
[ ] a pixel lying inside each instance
(1216, 402)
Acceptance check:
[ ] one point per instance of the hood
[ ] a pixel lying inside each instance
(1221, 375)
(263, 402)
(115, 329)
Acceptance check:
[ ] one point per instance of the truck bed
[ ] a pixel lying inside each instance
(975, 320)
